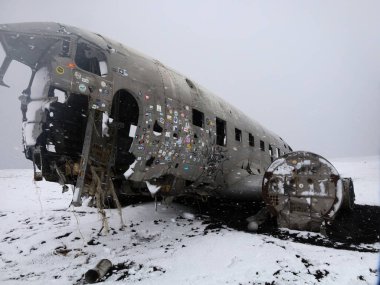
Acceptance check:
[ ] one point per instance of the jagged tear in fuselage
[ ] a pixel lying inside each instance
(59, 146)
(54, 112)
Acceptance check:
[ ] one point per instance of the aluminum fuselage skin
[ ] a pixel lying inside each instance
(181, 149)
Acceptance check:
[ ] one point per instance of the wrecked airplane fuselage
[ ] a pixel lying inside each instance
(102, 117)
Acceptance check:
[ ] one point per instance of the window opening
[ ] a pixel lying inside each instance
(60, 95)
(124, 113)
(157, 128)
(198, 118)
(103, 68)
(237, 134)
(251, 140)
(278, 153)
(270, 150)
(150, 161)
(221, 138)
(262, 145)
(91, 59)
(18, 76)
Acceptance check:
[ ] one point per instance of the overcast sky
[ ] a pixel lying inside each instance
(307, 70)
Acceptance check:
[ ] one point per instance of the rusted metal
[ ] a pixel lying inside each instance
(98, 272)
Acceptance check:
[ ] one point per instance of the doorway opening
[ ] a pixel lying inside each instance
(125, 115)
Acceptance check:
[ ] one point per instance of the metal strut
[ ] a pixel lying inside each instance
(77, 201)
(99, 154)
(37, 157)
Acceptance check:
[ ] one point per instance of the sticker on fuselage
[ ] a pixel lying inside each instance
(60, 70)
(122, 72)
(82, 88)
(77, 75)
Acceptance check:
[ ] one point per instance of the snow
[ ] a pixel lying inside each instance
(130, 170)
(283, 169)
(105, 121)
(50, 147)
(365, 172)
(40, 83)
(152, 188)
(339, 198)
(34, 114)
(188, 216)
(44, 240)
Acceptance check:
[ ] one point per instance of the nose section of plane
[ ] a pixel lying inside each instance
(28, 43)
(31, 27)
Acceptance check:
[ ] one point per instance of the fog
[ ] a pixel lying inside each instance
(307, 70)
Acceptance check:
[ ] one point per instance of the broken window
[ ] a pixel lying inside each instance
(198, 118)
(270, 150)
(262, 145)
(238, 135)
(58, 94)
(17, 75)
(251, 140)
(157, 128)
(91, 59)
(221, 138)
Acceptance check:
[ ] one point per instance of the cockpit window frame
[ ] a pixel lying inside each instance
(102, 60)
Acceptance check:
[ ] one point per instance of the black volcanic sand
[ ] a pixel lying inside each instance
(352, 230)
(349, 230)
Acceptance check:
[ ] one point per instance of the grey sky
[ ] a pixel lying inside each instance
(307, 70)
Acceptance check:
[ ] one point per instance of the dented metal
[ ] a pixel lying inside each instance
(303, 190)
(97, 113)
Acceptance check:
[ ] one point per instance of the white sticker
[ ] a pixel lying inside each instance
(85, 80)
(132, 131)
(77, 75)
(158, 108)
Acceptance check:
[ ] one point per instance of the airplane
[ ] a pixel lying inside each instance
(113, 122)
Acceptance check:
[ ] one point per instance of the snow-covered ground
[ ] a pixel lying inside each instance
(43, 240)
(365, 172)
